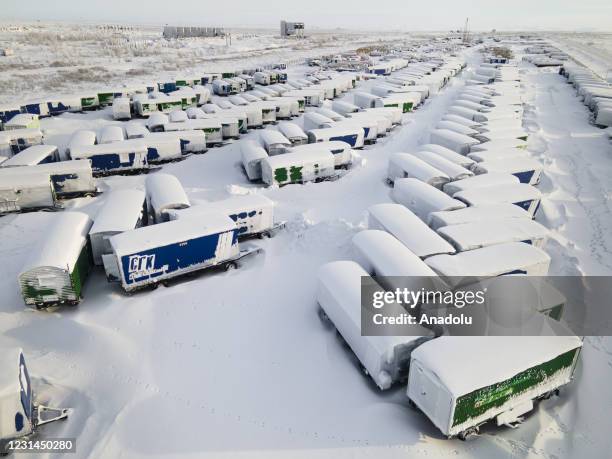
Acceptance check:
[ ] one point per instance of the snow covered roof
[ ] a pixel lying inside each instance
(299, 157)
(408, 228)
(317, 119)
(417, 168)
(498, 358)
(111, 133)
(164, 191)
(291, 130)
(328, 145)
(252, 151)
(388, 256)
(502, 210)
(233, 204)
(508, 164)
(125, 146)
(30, 156)
(422, 198)
(453, 137)
(20, 181)
(332, 115)
(82, 137)
(488, 261)
(457, 127)
(62, 242)
(448, 154)
(513, 193)
(272, 137)
(150, 237)
(453, 170)
(13, 134)
(473, 235)
(480, 181)
(120, 211)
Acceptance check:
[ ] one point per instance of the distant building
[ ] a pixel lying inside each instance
(292, 29)
(191, 32)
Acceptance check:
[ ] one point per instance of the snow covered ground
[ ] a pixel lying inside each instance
(238, 364)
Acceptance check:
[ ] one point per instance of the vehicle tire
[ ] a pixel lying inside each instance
(364, 370)
(231, 266)
(468, 434)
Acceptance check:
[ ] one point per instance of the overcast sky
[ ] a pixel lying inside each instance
(371, 14)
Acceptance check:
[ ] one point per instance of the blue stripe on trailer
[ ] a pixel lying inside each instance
(525, 204)
(59, 180)
(6, 116)
(350, 139)
(56, 109)
(153, 263)
(524, 177)
(152, 153)
(110, 162)
(33, 109)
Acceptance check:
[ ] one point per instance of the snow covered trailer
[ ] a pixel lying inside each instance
(332, 115)
(157, 253)
(253, 214)
(404, 101)
(212, 128)
(56, 272)
(465, 268)
(293, 133)
(383, 123)
(483, 213)
(135, 130)
(480, 181)
(511, 374)
(450, 168)
(164, 192)
(353, 135)
(110, 134)
(298, 167)
(250, 83)
(525, 196)
(365, 100)
(31, 156)
(22, 121)
(68, 178)
(116, 157)
(472, 115)
(81, 137)
(20, 415)
(392, 113)
(314, 120)
(122, 210)
(262, 78)
(344, 108)
(223, 88)
(453, 140)
(460, 129)
(474, 235)
(404, 165)
(144, 105)
(36, 108)
(122, 108)
(12, 142)
(193, 141)
(342, 151)
(527, 170)
(8, 111)
(422, 199)
(274, 142)
(25, 192)
(464, 122)
(252, 156)
(409, 229)
(383, 358)
(157, 121)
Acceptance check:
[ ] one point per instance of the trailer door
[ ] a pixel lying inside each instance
(111, 267)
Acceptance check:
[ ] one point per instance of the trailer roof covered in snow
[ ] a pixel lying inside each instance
(63, 242)
(448, 154)
(110, 134)
(120, 211)
(457, 127)
(495, 211)
(297, 156)
(407, 165)
(14, 134)
(291, 130)
(453, 170)
(474, 235)
(452, 137)
(232, 204)
(150, 237)
(513, 192)
(165, 190)
(30, 156)
(491, 261)
(408, 228)
(480, 181)
(508, 164)
(82, 137)
(21, 181)
(422, 199)
(124, 146)
(499, 358)
(272, 137)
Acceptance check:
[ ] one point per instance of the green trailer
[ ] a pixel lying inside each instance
(462, 382)
(57, 271)
(90, 102)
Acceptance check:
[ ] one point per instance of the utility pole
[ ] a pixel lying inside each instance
(466, 35)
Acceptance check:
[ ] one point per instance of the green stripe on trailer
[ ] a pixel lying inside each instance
(480, 401)
(105, 98)
(81, 270)
(228, 75)
(89, 102)
(407, 107)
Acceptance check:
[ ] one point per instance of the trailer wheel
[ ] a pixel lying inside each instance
(364, 370)
(411, 404)
(231, 266)
(468, 434)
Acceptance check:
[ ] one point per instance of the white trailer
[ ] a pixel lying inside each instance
(344, 108)
(404, 165)
(480, 181)
(422, 199)
(353, 135)
(157, 121)
(409, 229)
(116, 157)
(164, 193)
(12, 142)
(252, 213)
(496, 154)
(26, 192)
(367, 124)
(383, 124)
(511, 374)
(525, 196)
(365, 100)
(475, 235)
(527, 170)
(460, 128)
(212, 128)
(261, 78)
(135, 130)
(122, 108)
(274, 142)
(21, 417)
(342, 151)
(252, 156)
(178, 116)
(31, 156)
(459, 143)
(223, 87)
(466, 113)
(339, 297)
(465, 268)
(110, 134)
(498, 211)
(22, 121)
(298, 167)
(122, 210)
(465, 122)
(81, 137)
(293, 133)
(453, 170)
(332, 115)
(192, 141)
(314, 120)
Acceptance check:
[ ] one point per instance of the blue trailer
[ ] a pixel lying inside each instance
(148, 255)
(127, 156)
